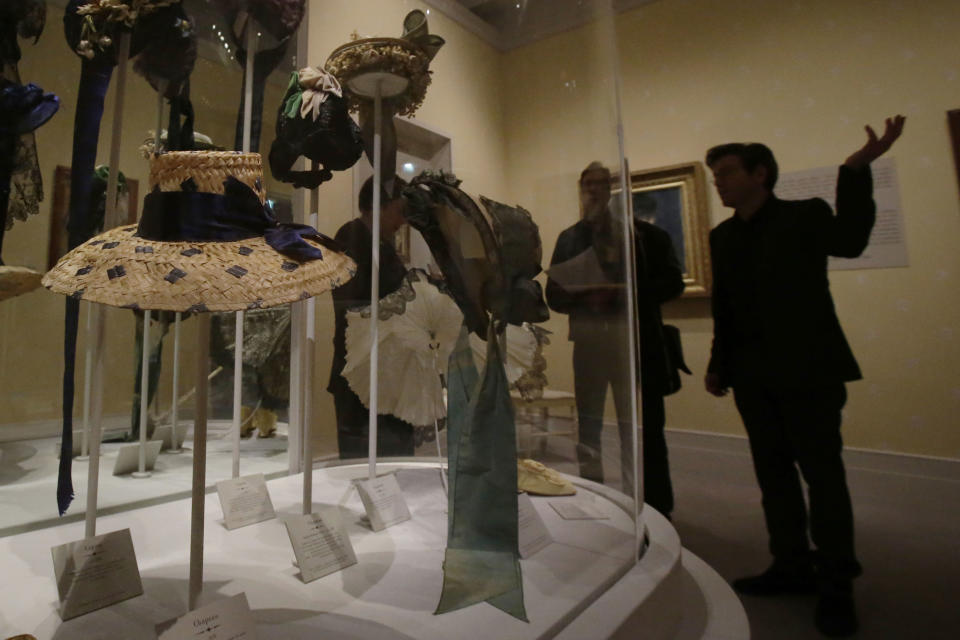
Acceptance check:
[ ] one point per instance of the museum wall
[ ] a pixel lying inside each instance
(804, 78)
(31, 325)
(463, 102)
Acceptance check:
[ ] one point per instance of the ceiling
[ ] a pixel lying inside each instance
(507, 24)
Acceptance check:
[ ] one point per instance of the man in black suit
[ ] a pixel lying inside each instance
(778, 344)
(599, 332)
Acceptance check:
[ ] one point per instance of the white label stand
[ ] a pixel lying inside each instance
(533, 533)
(95, 572)
(226, 619)
(383, 501)
(320, 543)
(244, 501)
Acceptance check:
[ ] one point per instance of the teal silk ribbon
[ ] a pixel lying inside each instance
(482, 560)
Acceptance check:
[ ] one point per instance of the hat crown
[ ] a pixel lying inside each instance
(208, 170)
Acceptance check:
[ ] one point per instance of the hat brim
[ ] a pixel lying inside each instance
(382, 55)
(15, 281)
(40, 113)
(120, 269)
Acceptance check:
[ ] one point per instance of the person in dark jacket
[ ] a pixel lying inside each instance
(597, 305)
(778, 344)
(394, 436)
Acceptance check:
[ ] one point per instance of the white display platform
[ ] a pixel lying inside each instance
(390, 593)
(28, 497)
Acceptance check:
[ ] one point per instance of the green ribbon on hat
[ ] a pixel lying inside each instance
(415, 30)
(292, 106)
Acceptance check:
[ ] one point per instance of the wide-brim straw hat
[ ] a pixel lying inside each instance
(15, 281)
(146, 266)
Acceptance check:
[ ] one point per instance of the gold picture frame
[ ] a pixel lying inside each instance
(675, 199)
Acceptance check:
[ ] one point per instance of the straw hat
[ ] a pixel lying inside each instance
(17, 280)
(407, 57)
(205, 242)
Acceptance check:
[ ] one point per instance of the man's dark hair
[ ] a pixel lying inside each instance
(365, 198)
(594, 166)
(752, 155)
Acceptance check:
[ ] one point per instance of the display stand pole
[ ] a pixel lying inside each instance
(161, 89)
(96, 391)
(141, 471)
(295, 411)
(198, 496)
(87, 383)
(237, 388)
(93, 469)
(375, 283)
(175, 406)
(238, 340)
(443, 475)
(306, 441)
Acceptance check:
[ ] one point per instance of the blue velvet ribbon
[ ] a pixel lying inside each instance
(237, 214)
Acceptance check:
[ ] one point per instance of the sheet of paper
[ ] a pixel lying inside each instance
(320, 543)
(227, 619)
(577, 510)
(95, 572)
(244, 501)
(534, 535)
(383, 501)
(887, 246)
(165, 435)
(128, 457)
(582, 270)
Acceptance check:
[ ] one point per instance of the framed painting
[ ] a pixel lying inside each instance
(674, 198)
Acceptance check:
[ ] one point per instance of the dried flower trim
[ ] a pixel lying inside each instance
(100, 13)
(383, 56)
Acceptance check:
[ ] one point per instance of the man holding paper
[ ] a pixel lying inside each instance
(587, 281)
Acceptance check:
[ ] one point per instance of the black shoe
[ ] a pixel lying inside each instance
(836, 615)
(777, 581)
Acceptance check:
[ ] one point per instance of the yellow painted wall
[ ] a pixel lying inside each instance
(803, 77)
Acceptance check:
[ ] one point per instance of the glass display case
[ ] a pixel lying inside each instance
(504, 339)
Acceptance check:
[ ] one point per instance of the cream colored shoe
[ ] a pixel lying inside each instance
(539, 480)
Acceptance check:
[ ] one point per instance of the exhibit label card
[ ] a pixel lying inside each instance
(244, 501)
(383, 501)
(533, 532)
(320, 543)
(227, 619)
(96, 572)
(574, 510)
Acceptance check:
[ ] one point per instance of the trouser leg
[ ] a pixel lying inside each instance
(657, 488)
(773, 461)
(813, 425)
(394, 437)
(590, 386)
